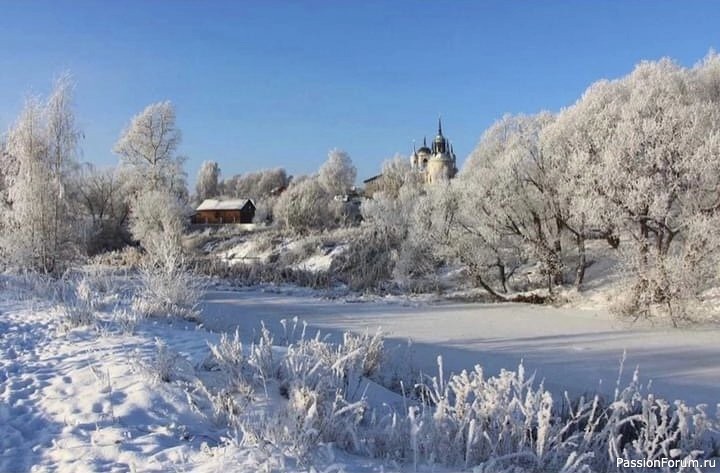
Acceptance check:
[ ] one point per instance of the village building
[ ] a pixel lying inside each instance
(434, 163)
(216, 212)
(437, 162)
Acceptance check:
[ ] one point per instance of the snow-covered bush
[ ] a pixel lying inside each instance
(367, 263)
(168, 285)
(371, 256)
(158, 218)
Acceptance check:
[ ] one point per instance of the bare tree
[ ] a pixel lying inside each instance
(102, 195)
(207, 185)
(148, 147)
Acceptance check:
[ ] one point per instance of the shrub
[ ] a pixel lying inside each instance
(168, 286)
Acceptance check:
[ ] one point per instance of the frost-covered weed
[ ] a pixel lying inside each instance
(162, 366)
(32, 284)
(467, 420)
(368, 349)
(126, 319)
(261, 358)
(78, 305)
(229, 355)
(274, 272)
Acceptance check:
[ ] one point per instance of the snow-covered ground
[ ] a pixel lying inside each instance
(89, 400)
(77, 401)
(577, 350)
(94, 398)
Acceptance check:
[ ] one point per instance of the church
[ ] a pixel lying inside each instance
(435, 163)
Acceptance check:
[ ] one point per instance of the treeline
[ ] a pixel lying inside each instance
(56, 209)
(635, 162)
(301, 204)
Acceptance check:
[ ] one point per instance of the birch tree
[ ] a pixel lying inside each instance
(43, 146)
(148, 150)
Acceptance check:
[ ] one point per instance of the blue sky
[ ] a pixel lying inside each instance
(261, 84)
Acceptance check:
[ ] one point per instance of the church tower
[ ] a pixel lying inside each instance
(436, 163)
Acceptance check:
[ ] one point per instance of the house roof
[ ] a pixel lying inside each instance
(230, 204)
(371, 179)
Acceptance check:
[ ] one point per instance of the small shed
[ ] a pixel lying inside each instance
(217, 212)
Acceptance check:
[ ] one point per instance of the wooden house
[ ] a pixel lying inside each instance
(217, 212)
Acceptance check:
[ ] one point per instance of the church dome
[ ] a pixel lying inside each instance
(441, 157)
(424, 150)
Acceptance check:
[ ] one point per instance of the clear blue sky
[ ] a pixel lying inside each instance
(260, 84)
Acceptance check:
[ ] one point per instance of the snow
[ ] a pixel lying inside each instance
(228, 204)
(320, 261)
(74, 402)
(570, 348)
(89, 399)
(246, 251)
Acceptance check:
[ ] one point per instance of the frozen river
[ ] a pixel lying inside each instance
(571, 349)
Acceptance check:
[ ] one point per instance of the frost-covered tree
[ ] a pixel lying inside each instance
(396, 173)
(157, 216)
(337, 174)
(208, 185)
(102, 196)
(510, 170)
(661, 171)
(148, 150)
(43, 145)
(456, 220)
(637, 159)
(256, 185)
(305, 206)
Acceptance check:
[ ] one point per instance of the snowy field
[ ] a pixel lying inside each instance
(105, 398)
